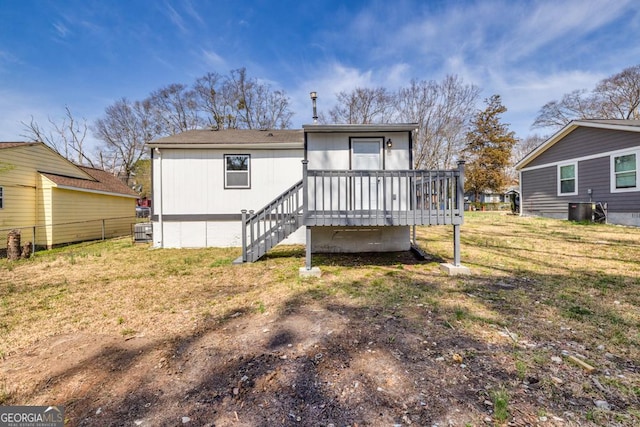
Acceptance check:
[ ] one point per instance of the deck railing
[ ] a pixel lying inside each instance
(267, 227)
(356, 198)
(383, 197)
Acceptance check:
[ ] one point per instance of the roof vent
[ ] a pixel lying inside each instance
(270, 134)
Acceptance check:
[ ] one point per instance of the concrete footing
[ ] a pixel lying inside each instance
(314, 272)
(455, 270)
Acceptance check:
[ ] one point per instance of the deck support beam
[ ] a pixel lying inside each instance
(456, 245)
(307, 263)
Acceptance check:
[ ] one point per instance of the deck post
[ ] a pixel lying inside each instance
(305, 207)
(307, 265)
(244, 235)
(460, 203)
(456, 245)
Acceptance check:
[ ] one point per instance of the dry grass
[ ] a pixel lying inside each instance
(544, 286)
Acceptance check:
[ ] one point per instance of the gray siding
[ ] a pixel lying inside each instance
(540, 190)
(539, 194)
(587, 142)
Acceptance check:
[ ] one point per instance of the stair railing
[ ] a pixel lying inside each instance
(269, 226)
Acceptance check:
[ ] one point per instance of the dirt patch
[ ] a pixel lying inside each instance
(126, 336)
(316, 366)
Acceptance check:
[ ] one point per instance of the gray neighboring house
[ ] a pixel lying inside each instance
(586, 161)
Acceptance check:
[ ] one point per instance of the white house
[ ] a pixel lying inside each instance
(202, 179)
(336, 188)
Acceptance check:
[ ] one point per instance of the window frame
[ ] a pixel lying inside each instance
(613, 174)
(575, 178)
(226, 172)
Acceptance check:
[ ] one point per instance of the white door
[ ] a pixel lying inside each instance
(366, 154)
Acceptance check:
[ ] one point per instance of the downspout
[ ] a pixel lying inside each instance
(160, 210)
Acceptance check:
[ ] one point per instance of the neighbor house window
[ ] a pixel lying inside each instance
(624, 169)
(237, 171)
(567, 183)
(1, 198)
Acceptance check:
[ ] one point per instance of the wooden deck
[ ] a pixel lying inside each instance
(382, 197)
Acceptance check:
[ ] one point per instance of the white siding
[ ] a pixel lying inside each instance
(193, 180)
(216, 234)
(332, 150)
(192, 184)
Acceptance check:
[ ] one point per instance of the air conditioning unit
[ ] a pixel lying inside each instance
(580, 211)
(142, 232)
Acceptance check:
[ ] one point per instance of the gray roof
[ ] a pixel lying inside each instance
(232, 137)
(612, 124)
(16, 144)
(103, 181)
(372, 127)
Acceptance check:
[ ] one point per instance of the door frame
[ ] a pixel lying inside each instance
(354, 185)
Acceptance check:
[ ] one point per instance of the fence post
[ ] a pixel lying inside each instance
(103, 229)
(33, 242)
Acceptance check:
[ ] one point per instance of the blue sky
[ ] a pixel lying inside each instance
(86, 54)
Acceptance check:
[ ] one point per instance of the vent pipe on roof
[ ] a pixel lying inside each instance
(314, 96)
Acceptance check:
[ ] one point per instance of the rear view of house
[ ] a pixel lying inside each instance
(56, 202)
(335, 188)
(587, 162)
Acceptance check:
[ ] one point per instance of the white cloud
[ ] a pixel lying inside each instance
(212, 59)
(175, 17)
(61, 29)
(328, 80)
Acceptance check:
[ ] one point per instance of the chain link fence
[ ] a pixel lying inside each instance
(42, 237)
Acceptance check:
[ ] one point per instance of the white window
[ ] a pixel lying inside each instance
(237, 171)
(1, 198)
(568, 179)
(624, 172)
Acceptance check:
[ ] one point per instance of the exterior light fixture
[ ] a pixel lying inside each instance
(314, 96)
(389, 143)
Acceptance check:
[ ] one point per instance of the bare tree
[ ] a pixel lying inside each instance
(272, 108)
(616, 97)
(215, 101)
(124, 130)
(363, 106)
(255, 105)
(573, 105)
(520, 150)
(443, 111)
(67, 137)
(175, 108)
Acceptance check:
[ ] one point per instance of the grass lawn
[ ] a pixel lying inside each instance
(119, 332)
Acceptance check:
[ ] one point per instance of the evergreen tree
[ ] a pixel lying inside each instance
(488, 150)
